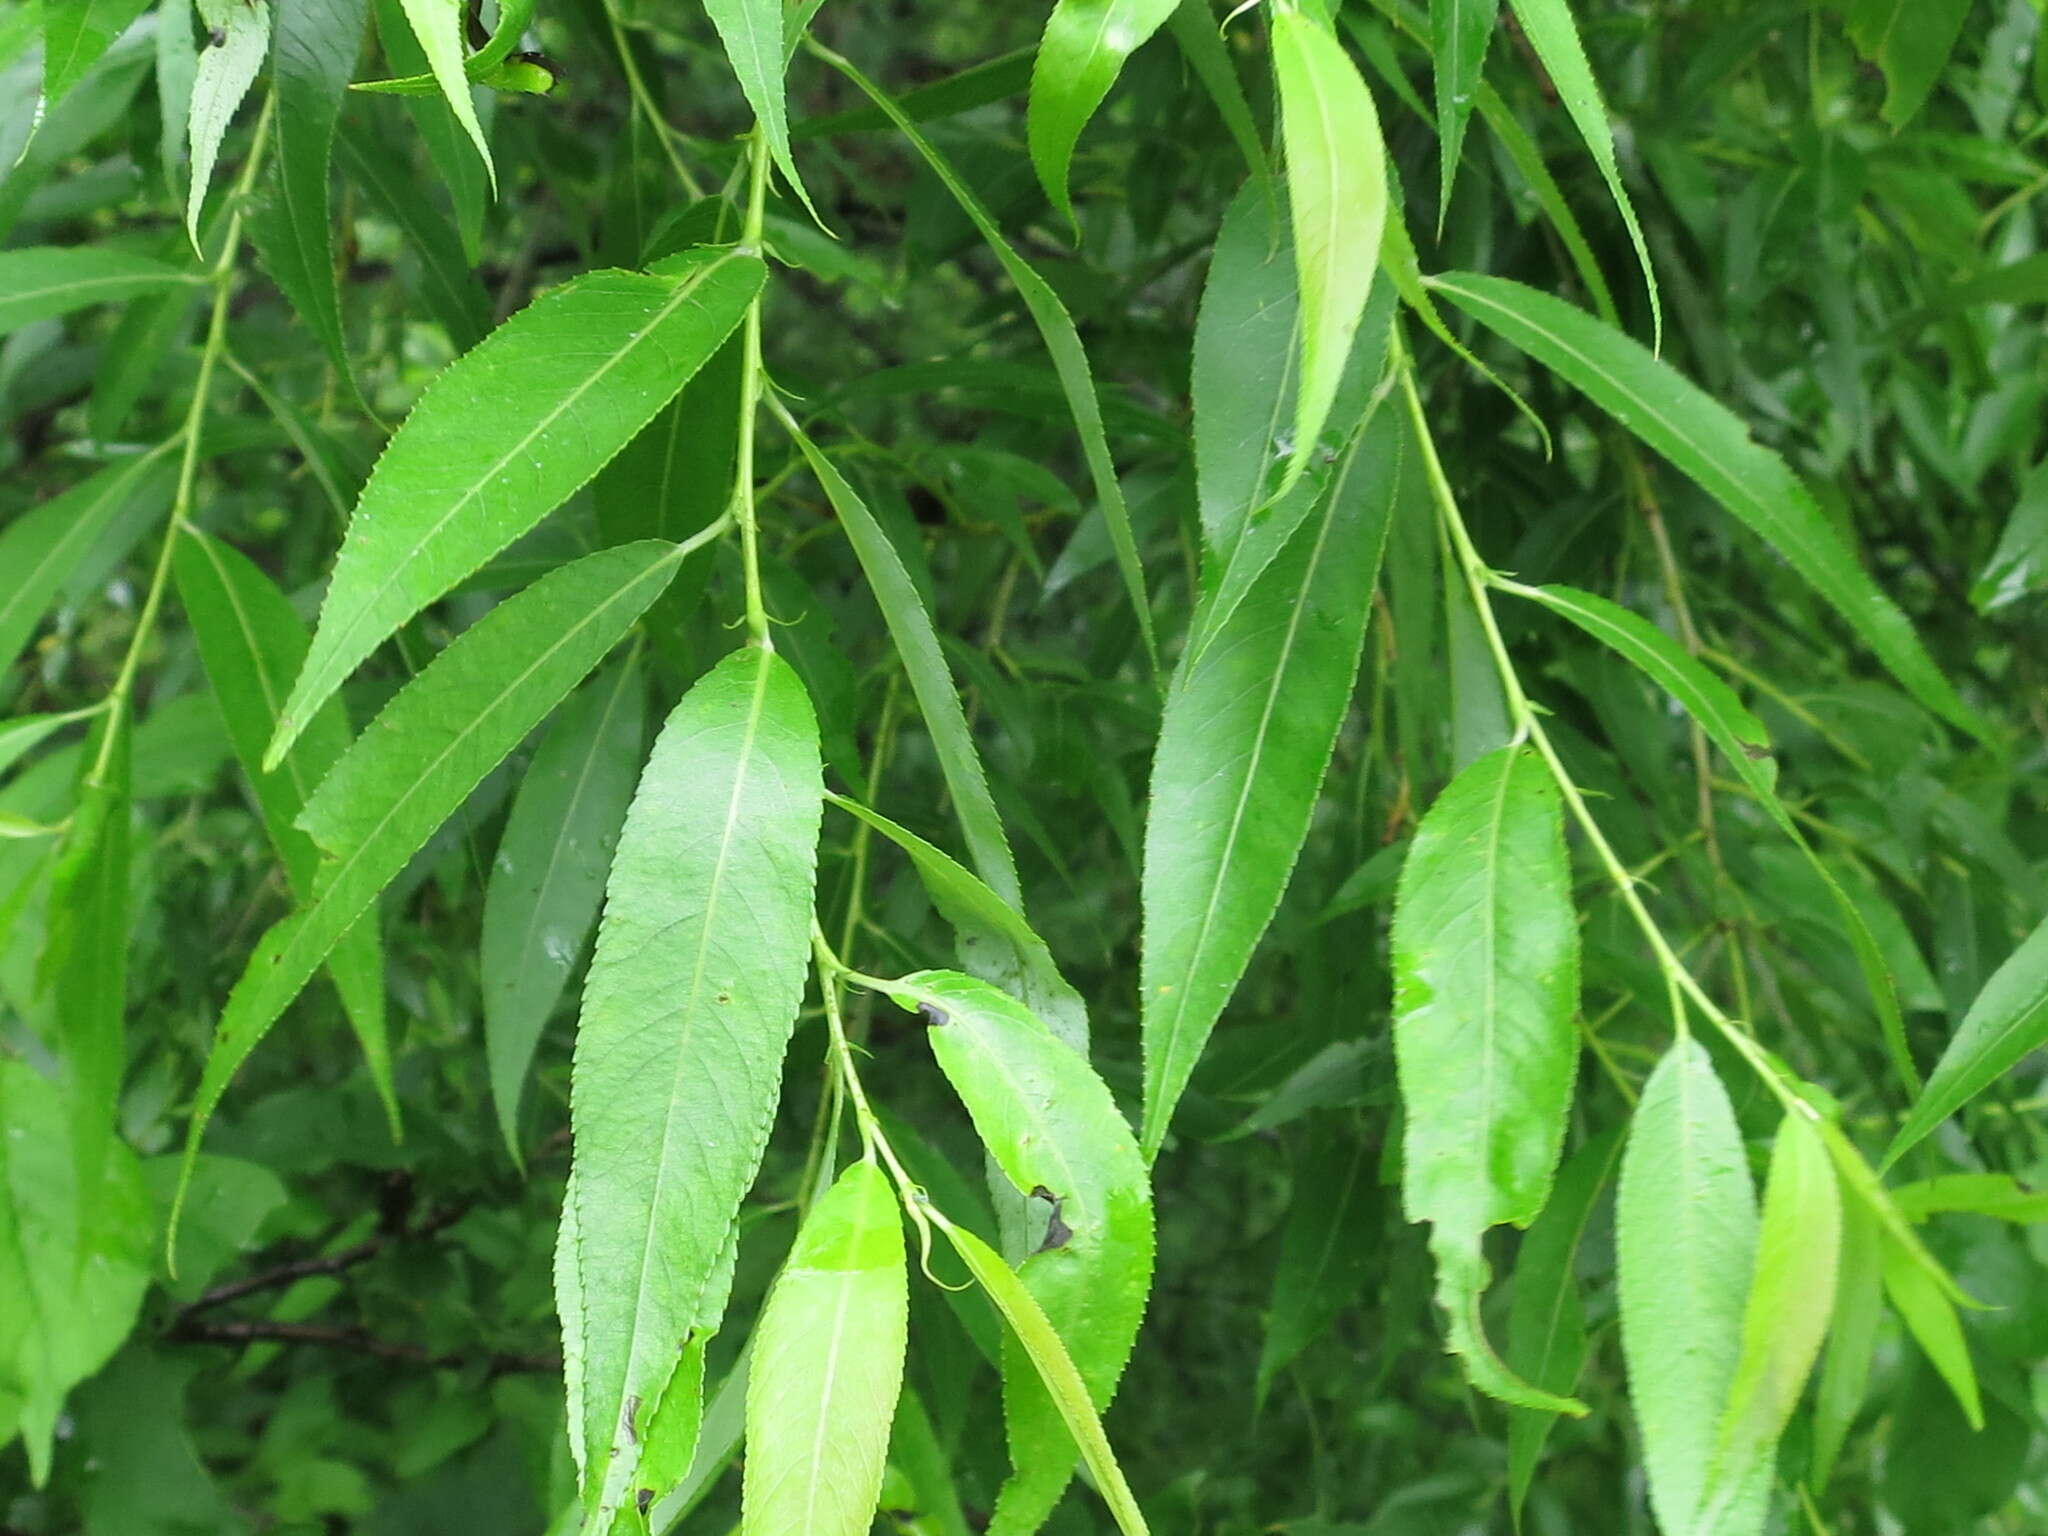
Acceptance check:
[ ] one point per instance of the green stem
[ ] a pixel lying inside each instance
(643, 103)
(222, 276)
(1478, 581)
(750, 400)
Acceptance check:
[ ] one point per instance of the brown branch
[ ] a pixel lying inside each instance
(305, 1269)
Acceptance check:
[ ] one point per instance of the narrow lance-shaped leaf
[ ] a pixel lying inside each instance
(924, 663)
(1852, 1340)
(75, 34)
(237, 39)
(504, 435)
(1705, 440)
(23, 734)
(1486, 985)
(415, 765)
(2008, 1019)
(1034, 1335)
(1547, 1343)
(1931, 1318)
(1685, 1246)
(1333, 1230)
(41, 548)
(1062, 344)
(1459, 32)
(547, 880)
(252, 643)
(687, 1009)
(827, 1365)
(752, 32)
(1247, 735)
(1337, 188)
(1553, 34)
(1747, 746)
(1079, 57)
(446, 285)
(437, 24)
(84, 968)
(1791, 1298)
(1051, 1125)
(311, 56)
(39, 281)
(1245, 352)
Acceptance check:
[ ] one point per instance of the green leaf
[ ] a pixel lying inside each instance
(1791, 1298)
(547, 880)
(752, 32)
(437, 24)
(1997, 1195)
(1337, 186)
(1931, 1318)
(42, 548)
(227, 68)
(2008, 1019)
(75, 34)
(23, 734)
(1547, 1343)
(1333, 1230)
(1459, 32)
(1079, 57)
(252, 642)
(995, 941)
(1486, 984)
(691, 995)
(924, 663)
(1685, 1246)
(504, 435)
(2019, 564)
(72, 1270)
(1062, 1382)
(1852, 1341)
(84, 969)
(1243, 370)
(39, 281)
(447, 287)
(1548, 26)
(1910, 40)
(828, 1363)
(1744, 742)
(1062, 344)
(418, 761)
(1705, 440)
(311, 56)
(1249, 726)
(1051, 1125)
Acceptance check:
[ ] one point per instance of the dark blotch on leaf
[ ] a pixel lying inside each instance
(932, 1014)
(1057, 1233)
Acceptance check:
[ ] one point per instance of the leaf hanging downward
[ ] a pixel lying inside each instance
(1337, 186)
(238, 37)
(692, 992)
(438, 26)
(1052, 1127)
(1791, 1299)
(827, 1365)
(1486, 983)
(1078, 60)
